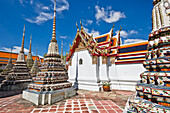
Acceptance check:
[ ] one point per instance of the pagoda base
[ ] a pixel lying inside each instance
(137, 104)
(42, 98)
(19, 85)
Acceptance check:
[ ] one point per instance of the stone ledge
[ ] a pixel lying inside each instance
(48, 97)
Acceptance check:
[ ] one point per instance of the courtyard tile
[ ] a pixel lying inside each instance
(84, 102)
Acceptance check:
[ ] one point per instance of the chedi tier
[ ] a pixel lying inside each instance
(29, 59)
(35, 68)
(50, 85)
(19, 76)
(8, 68)
(153, 91)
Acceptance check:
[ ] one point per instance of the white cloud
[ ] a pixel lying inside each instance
(45, 8)
(95, 33)
(41, 18)
(16, 49)
(63, 6)
(31, 1)
(133, 32)
(21, 1)
(45, 13)
(133, 40)
(125, 34)
(108, 15)
(64, 37)
(87, 22)
(108, 7)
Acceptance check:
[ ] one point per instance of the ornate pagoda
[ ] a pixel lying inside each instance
(153, 90)
(8, 67)
(35, 68)
(50, 85)
(19, 76)
(29, 59)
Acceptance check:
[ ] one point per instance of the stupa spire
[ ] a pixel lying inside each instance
(10, 53)
(54, 24)
(36, 54)
(22, 46)
(62, 50)
(30, 43)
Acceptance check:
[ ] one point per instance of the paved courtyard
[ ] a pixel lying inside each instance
(85, 102)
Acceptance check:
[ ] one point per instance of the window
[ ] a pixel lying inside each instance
(80, 61)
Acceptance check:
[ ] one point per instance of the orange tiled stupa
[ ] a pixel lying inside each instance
(50, 85)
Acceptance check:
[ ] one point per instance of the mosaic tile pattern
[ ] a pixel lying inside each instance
(82, 106)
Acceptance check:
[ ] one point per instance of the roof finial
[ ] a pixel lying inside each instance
(120, 29)
(81, 24)
(77, 27)
(91, 35)
(22, 46)
(113, 26)
(112, 30)
(54, 24)
(30, 43)
(119, 36)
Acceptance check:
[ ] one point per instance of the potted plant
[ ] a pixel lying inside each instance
(106, 86)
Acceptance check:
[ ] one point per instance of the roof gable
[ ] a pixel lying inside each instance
(98, 46)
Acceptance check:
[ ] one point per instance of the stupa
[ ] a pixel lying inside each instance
(19, 76)
(29, 59)
(8, 67)
(62, 51)
(50, 85)
(153, 91)
(35, 68)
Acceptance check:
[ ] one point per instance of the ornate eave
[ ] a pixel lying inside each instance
(91, 45)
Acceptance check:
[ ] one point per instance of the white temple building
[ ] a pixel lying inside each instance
(103, 58)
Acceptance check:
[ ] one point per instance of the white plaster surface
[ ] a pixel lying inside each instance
(87, 75)
(33, 97)
(48, 97)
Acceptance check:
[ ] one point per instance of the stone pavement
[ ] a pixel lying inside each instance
(85, 102)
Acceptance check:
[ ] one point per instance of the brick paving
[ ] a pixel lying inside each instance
(82, 106)
(85, 102)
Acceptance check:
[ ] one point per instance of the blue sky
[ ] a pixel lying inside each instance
(97, 17)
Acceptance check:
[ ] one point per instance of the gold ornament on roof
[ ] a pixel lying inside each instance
(77, 27)
(81, 24)
(70, 46)
(113, 26)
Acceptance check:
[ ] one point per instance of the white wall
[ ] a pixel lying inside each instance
(126, 76)
(86, 73)
(103, 72)
(85, 76)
